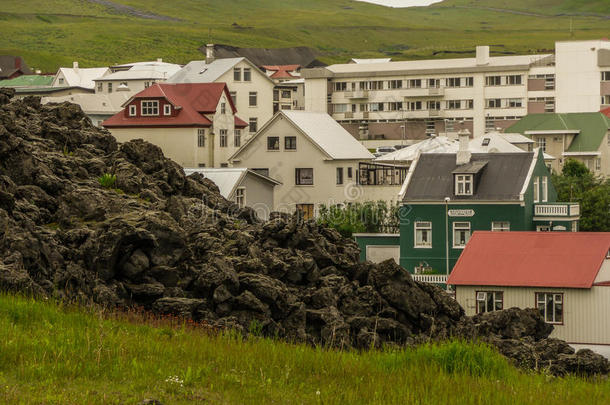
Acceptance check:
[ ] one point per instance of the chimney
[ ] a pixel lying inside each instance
(75, 65)
(159, 60)
(482, 55)
(209, 53)
(17, 62)
(463, 154)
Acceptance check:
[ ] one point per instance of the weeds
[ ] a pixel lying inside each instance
(107, 180)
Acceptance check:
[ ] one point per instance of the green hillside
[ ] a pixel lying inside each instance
(57, 355)
(49, 34)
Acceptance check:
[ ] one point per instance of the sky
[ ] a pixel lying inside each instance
(402, 3)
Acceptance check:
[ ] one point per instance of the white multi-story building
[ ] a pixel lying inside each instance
(413, 99)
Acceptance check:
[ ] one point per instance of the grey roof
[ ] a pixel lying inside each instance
(198, 71)
(472, 167)
(300, 55)
(502, 179)
(9, 63)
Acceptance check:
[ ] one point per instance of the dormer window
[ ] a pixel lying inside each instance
(463, 184)
(167, 109)
(150, 107)
(132, 110)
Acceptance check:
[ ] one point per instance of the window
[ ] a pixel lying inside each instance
(290, 143)
(395, 106)
(349, 173)
(201, 138)
(414, 83)
(606, 100)
(223, 108)
(253, 125)
(598, 164)
(61, 80)
(515, 102)
(376, 85)
(513, 80)
(339, 175)
(414, 105)
(488, 301)
(423, 234)
(247, 75)
(606, 76)
(240, 197)
(434, 105)
(109, 87)
(454, 81)
(494, 102)
(100, 87)
(237, 74)
(469, 104)
(541, 143)
(545, 189)
(306, 211)
(273, 143)
(286, 94)
(461, 234)
(454, 104)
(223, 138)
(201, 165)
(376, 107)
(536, 189)
(395, 84)
(493, 80)
(252, 99)
(340, 108)
(132, 110)
(150, 107)
(463, 184)
(340, 86)
(167, 109)
(469, 81)
(304, 177)
(263, 171)
(434, 83)
(237, 138)
(224, 165)
(146, 85)
(233, 95)
(500, 226)
(550, 306)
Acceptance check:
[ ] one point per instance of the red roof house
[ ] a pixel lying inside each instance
(196, 124)
(279, 72)
(566, 275)
(606, 111)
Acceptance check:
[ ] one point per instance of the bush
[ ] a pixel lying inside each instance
(369, 217)
(107, 180)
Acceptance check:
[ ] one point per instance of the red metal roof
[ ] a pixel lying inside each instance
(531, 259)
(192, 100)
(239, 123)
(282, 71)
(606, 111)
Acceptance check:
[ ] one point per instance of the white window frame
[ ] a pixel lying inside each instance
(461, 226)
(149, 105)
(167, 109)
(536, 189)
(133, 110)
(252, 128)
(483, 297)
(240, 197)
(237, 138)
(500, 226)
(556, 300)
(252, 96)
(464, 180)
(237, 75)
(248, 73)
(201, 138)
(545, 189)
(425, 227)
(224, 138)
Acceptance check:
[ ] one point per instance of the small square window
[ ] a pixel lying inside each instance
(290, 143)
(273, 143)
(463, 184)
(304, 177)
(500, 226)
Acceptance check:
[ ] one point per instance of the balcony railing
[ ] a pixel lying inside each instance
(556, 210)
(430, 278)
(424, 92)
(357, 94)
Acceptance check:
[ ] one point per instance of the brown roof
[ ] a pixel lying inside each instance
(299, 55)
(9, 65)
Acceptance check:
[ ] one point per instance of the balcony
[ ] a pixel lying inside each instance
(353, 95)
(414, 114)
(430, 278)
(424, 92)
(567, 211)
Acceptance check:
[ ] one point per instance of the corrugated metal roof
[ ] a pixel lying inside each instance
(531, 259)
(227, 179)
(198, 71)
(502, 178)
(82, 77)
(328, 134)
(27, 81)
(143, 72)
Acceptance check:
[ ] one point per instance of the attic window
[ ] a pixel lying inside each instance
(486, 141)
(132, 110)
(463, 184)
(167, 109)
(150, 107)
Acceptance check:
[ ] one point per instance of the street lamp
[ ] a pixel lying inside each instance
(447, 199)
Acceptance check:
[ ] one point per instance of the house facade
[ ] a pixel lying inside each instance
(565, 275)
(412, 99)
(194, 124)
(580, 136)
(313, 157)
(134, 77)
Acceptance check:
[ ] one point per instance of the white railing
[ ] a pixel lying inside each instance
(575, 209)
(551, 210)
(430, 278)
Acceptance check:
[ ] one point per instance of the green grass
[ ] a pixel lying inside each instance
(50, 34)
(51, 354)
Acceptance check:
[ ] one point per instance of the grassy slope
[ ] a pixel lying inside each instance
(60, 355)
(50, 34)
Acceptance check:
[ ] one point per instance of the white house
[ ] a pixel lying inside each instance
(78, 77)
(566, 275)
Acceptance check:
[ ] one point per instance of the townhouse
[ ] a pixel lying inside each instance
(413, 99)
(194, 124)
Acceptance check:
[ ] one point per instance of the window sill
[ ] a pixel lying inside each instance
(422, 247)
(459, 247)
(303, 185)
(273, 150)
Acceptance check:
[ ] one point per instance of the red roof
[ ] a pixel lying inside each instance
(532, 259)
(239, 123)
(191, 101)
(282, 71)
(606, 111)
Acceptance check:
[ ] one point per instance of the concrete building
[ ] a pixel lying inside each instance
(244, 187)
(580, 136)
(194, 124)
(250, 88)
(313, 157)
(413, 99)
(565, 275)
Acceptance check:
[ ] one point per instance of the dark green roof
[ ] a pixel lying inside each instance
(592, 127)
(27, 80)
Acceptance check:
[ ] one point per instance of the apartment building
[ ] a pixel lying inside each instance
(414, 99)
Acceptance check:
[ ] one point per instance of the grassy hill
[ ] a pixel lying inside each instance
(62, 355)
(49, 34)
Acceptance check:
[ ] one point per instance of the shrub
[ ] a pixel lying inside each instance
(107, 180)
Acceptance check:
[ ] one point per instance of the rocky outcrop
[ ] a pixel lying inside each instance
(173, 245)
